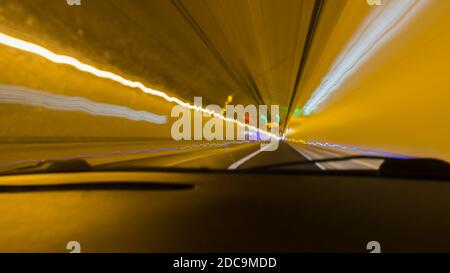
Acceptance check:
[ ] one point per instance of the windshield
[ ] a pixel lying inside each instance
(225, 85)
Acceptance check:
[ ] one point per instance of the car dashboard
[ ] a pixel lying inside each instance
(221, 212)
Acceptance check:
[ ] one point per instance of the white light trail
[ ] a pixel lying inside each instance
(380, 26)
(19, 95)
(62, 59)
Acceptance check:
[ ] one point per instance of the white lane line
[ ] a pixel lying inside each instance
(325, 152)
(320, 166)
(371, 165)
(238, 163)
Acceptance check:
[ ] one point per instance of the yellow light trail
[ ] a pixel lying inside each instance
(62, 59)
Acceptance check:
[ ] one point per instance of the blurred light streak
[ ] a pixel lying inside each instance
(156, 150)
(19, 95)
(301, 141)
(356, 149)
(62, 59)
(381, 25)
(298, 112)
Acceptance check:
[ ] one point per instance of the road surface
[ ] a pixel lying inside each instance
(215, 155)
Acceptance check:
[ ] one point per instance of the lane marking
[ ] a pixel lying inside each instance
(326, 150)
(238, 163)
(368, 165)
(322, 152)
(320, 166)
(214, 151)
